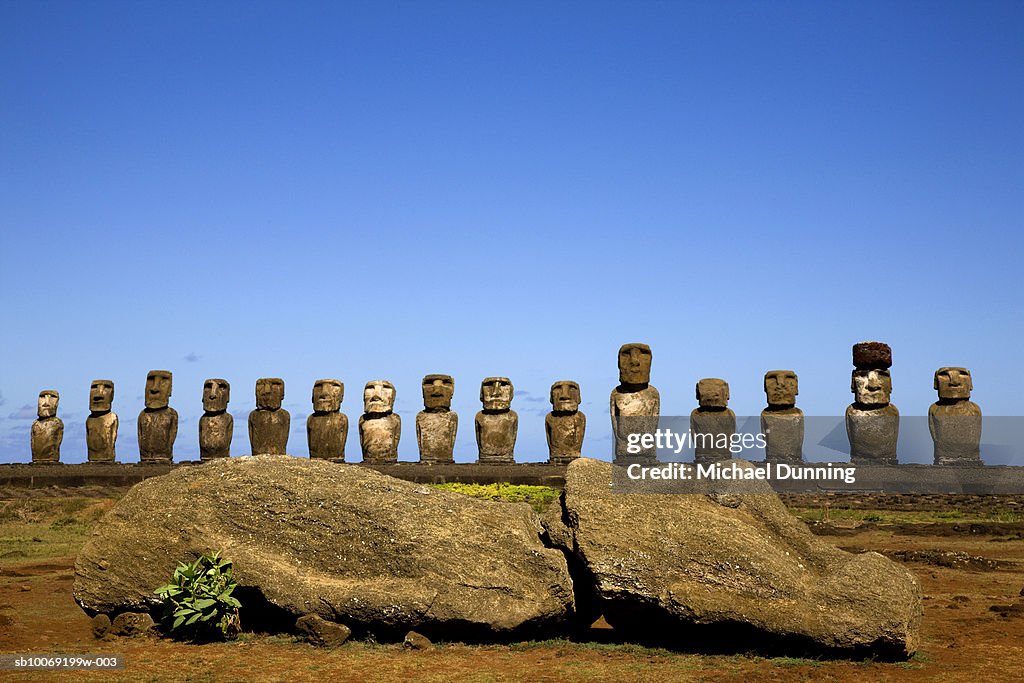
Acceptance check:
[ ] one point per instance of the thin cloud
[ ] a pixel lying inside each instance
(192, 357)
(2, 399)
(26, 412)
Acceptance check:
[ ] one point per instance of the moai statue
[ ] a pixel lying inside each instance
(48, 430)
(327, 427)
(269, 423)
(380, 428)
(872, 422)
(497, 424)
(436, 424)
(217, 425)
(565, 424)
(954, 420)
(782, 423)
(635, 404)
(158, 422)
(101, 425)
(713, 422)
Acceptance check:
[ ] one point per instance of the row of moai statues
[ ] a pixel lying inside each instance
(380, 428)
(872, 421)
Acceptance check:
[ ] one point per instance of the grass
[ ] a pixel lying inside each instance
(817, 514)
(539, 497)
(42, 528)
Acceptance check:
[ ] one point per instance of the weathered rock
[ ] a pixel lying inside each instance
(416, 641)
(634, 405)
(131, 624)
(436, 424)
(158, 422)
(327, 427)
(101, 425)
(497, 425)
(782, 423)
(269, 423)
(379, 554)
(380, 428)
(100, 625)
(954, 420)
(713, 423)
(217, 425)
(684, 569)
(48, 430)
(872, 421)
(565, 425)
(320, 632)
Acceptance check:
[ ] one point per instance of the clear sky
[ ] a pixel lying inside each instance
(368, 190)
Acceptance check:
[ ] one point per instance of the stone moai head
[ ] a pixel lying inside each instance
(565, 396)
(328, 395)
(269, 393)
(496, 393)
(780, 386)
(216, 394)
(713, 393)
(47, 405)
(158, 389)
(378, 396)
(872, 387)
(871, 383)
(953, 383)
(635, 364)
(438, 391)
(101, 395)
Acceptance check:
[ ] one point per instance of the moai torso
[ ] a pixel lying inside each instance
(216, 426)
(713, 423)
(565, 426)
(380, 429)
(157, 431)
(497, 425)
(872, 421)
(48, 430)
(954, 420)
(327, 427)
(782, 423)
(101, 425)
(436, 424)
(635, 400)
(269, 423)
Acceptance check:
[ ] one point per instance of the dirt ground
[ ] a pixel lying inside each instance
(971, 568)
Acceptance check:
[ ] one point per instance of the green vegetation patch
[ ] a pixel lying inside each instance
(539, 497)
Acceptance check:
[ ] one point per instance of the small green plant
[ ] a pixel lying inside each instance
(198, 604)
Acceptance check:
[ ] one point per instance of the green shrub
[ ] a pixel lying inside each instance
(198, 604)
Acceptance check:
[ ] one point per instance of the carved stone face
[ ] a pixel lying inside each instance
(101, 395)
(565, 396)
(438, 391)
(158, 388)
(216, 394)
(713, 393)
(635, 364)
(871, 387)
(780, 386)
(379, 396)
(953, 383)
(47, 406)
(496, 393)
(328, 395)
(269, 393)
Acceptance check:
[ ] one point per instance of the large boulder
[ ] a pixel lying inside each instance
(734, 571)
(376, 553)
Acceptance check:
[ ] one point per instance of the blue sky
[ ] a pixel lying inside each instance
(372, 190)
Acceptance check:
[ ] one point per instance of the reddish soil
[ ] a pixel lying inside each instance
(973, 630)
